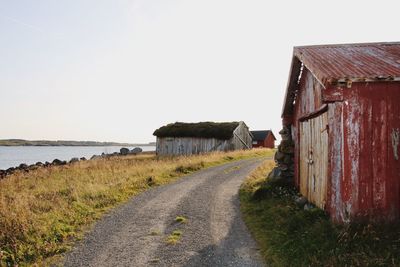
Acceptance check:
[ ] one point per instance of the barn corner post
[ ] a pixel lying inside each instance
(284, 157)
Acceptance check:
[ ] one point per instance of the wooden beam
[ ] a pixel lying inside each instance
(291, 88)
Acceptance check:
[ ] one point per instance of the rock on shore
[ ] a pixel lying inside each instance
(56, 162)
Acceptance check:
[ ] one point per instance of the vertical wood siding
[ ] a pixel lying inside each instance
(314, 159)
(363, 151)
(371, 187)
(360, 150)
(304, 146)
(269, 142)
(308, 100)
(188, 145)
(335, 169)
(241, 137)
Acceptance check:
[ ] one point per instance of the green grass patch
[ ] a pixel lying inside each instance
(186, 169)
(174, 237)
(180, 219)
(291, 236)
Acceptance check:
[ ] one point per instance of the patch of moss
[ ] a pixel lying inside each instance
(222, 130)
(174, 237)
(180, 219)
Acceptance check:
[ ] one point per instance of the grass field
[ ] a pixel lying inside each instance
(290, 236)
(44, 211)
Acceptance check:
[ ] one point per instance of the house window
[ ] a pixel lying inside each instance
(255, 142)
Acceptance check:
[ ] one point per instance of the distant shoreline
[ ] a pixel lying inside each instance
(21, 142)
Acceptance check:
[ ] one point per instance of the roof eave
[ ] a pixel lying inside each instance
(347, 80)
(292, 83)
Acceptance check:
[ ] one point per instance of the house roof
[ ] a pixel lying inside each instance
(354, 62)
(218, 130)
(261, 135)
(344, 63)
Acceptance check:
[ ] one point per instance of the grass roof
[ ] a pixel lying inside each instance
(218, 130)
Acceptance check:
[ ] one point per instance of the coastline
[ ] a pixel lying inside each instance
(22, 142)
(13, 156)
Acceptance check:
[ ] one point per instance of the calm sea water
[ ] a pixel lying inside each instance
(12, 156)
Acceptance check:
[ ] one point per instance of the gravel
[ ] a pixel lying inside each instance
(214, 233)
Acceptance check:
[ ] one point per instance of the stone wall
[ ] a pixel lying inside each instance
(284, 159)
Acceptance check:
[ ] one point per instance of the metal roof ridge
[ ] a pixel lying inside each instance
(347, 44)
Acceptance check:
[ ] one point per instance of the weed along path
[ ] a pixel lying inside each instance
(195, 221)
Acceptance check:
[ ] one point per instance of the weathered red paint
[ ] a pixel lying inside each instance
(363, 123)
(332, 64)
(287, 120)
(371, 172)
(268, 142)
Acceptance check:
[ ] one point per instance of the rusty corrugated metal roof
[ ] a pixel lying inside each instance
(331, 64)
(343, 63)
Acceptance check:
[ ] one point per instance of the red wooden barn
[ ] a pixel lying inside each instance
(342, 105)
(264, 138)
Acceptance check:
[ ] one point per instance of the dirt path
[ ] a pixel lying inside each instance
(214, 234)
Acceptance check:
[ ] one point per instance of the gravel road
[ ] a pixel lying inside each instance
(214, 234)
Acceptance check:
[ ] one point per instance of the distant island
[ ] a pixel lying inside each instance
(21, 142)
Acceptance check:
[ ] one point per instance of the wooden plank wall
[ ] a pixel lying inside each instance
(371, 185)
(241, 137)
(189, 145)
(320, 162)
(308, 100)
(314, 159)
(304, 157)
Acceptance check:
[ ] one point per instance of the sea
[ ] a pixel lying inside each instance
(12, 156)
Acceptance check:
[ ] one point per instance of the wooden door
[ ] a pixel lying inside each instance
(314, 159)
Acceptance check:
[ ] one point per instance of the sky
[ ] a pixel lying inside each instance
(117, 70)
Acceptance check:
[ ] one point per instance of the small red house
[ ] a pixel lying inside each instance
(263, 139)
(342, 105)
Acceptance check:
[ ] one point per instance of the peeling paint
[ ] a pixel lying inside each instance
(364, 148)
(347, 213)
(353, 143)
(395, 142)
(363, 180)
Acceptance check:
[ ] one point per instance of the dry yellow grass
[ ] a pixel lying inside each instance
(257, 177)
(44, 211)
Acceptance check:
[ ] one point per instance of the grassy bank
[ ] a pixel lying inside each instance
(290, 236)
(44, 211)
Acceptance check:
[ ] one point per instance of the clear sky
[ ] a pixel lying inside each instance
(116, 70)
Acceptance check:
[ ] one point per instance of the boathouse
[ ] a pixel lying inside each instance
(264, 138)
(194, 138)
(342, 109)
